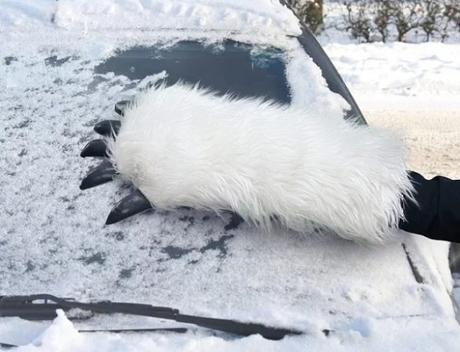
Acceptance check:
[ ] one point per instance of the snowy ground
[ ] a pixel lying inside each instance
(52, 99)
(411, 88)
(400, 76)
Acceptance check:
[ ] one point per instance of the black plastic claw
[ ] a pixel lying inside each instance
(132, 204)
(120, 107)
(107, 128)
(99, 175)
(96, 147)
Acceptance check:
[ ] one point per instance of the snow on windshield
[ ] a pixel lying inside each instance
(53, 99)
(53, 238)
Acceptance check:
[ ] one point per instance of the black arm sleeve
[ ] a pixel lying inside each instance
(437, 214)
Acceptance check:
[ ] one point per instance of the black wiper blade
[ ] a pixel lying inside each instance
(43, 307)
(7, 345)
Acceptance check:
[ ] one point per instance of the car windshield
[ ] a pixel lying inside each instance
(230, 67)
(184, 258)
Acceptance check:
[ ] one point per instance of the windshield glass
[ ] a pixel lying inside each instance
(230, 67)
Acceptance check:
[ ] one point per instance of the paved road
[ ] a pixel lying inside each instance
(433, 139)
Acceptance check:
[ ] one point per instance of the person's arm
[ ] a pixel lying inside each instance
(437, 214)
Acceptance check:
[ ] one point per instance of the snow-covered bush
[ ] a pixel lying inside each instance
(383, 20)
(405, 17)
(357, 20)
(309, 11)
(452, 12)
(432, 17)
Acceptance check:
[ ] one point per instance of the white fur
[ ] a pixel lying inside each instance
(184, 146)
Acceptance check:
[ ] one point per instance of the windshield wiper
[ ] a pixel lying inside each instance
(43, 307)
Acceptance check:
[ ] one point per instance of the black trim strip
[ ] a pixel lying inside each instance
(418, 277)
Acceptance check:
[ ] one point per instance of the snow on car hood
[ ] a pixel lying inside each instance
(256, 16)
(53, 239)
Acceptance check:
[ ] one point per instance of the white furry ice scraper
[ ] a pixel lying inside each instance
(228, 111)
(186, 146)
